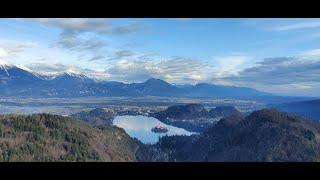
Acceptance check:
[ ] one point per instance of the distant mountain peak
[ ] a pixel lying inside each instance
(5, 66)
(155, 80)
(4, 63)
(73, 74)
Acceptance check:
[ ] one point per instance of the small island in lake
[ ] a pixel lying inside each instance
(159, 129)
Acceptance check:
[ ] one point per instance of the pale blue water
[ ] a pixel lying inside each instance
(140, 128)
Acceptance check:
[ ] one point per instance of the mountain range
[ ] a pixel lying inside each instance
(18, 81)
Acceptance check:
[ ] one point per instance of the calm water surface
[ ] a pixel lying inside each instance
(140, 128)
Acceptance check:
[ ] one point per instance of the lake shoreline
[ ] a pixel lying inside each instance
(140, 127)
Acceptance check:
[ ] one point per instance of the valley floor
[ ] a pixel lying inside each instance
(68, 106)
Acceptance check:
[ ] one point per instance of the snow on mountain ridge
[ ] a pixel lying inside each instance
(5, 66)
(72, 73)
(20, 66)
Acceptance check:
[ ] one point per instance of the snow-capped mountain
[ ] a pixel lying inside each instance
(16, 75)
(17, 80)
(73, 77)
(4, 66)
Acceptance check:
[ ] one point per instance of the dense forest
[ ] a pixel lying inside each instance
(45, 137)
(264, 135)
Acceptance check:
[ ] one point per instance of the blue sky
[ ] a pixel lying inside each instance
(280, 56)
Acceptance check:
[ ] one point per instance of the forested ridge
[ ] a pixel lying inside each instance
(45, 137)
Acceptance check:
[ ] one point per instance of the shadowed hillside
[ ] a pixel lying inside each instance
(265, 135)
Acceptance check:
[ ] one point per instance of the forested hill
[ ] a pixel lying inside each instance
(44, 137)
(265, 135)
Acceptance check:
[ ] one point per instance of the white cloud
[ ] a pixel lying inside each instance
(314, 53)
(51, 69)
(3, 53)
(96, 58)
(10, 48)
(57, 68)
(74, 41)
(291, 75)
(301, 86)
(291, 89)
(93, 25)
(229, 65)
(299, 25)
(75, 24)
(87, 35)
(123, 54)
(177, 70)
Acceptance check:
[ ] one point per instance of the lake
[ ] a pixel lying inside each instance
(140, 128)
